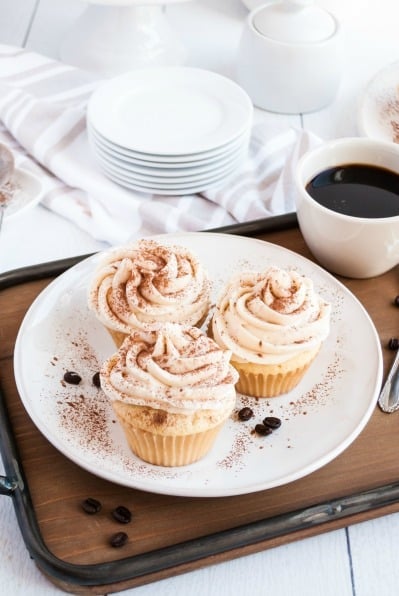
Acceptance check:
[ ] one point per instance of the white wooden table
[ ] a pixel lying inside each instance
(357, 561)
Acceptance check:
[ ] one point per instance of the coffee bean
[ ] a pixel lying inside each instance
(245, 413)
(96, 379)
(122, 514)
(119, 539)
(272, 422)
(91, 506)
(393, 343)
(396, 301)
(72, 378)
(263, 430)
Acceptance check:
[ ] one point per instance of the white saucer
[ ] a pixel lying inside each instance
(28, 193)
(158, 172)
(168, 189)
(173, 190)
(166, 160)
(176, 181)
(378, 115)
(170, 111)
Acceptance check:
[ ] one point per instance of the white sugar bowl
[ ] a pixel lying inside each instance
(290, 56)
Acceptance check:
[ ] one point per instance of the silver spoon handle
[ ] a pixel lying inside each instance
(389, 396)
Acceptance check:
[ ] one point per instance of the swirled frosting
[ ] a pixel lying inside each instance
(174, 368)
(269, 317)
(142, 285)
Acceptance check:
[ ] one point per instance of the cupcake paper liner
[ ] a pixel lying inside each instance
(169, 450)
(269, 385)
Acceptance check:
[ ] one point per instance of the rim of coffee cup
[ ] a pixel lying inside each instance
(336, 145)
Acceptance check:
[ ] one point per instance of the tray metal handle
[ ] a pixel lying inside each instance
(7, 486)
(8, 450)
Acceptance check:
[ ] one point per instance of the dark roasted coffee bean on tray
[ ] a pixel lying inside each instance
(122, 514)
(91, 506)
(119, 539)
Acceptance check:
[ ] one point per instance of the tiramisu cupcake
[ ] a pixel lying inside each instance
(145, 284)
(274, 323)
(172, 389)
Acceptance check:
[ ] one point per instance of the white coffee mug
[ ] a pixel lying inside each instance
(358, 247)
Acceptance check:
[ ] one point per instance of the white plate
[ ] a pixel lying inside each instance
(169, 173)
(175, 191)
(97, 144)
(171, 192)
(168, 189)
(186, 160)
(170, 110)
(126, 173)
(320, 418)
(28, 193)
(378, 115)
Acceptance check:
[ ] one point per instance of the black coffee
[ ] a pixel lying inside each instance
(357, 190)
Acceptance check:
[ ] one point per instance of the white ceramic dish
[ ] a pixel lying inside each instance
(170, 111)
(166, 173)
(167, 161)
(28, 193)
(210, 159)
(320, 418)
(378, 113)
(168, 189)
(171, 182)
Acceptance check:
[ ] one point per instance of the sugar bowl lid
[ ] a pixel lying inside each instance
(294, 21)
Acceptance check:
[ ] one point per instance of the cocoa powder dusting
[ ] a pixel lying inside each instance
(235, 456)
(160, 417)
(83, 410)
(86, 419)
(390, 113)
(395, 129)
(320, 393)
(246, 439)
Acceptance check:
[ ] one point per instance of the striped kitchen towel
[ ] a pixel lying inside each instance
(43, 120)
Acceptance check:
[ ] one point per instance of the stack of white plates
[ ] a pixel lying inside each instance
(170, 130)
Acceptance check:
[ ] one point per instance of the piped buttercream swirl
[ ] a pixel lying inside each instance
(174, 368)
(148, 283)
(269, 317)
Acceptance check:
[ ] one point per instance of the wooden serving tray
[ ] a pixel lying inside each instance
(170, 535)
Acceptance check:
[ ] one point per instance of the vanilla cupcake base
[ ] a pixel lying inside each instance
(159, 438)
(262, 380)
